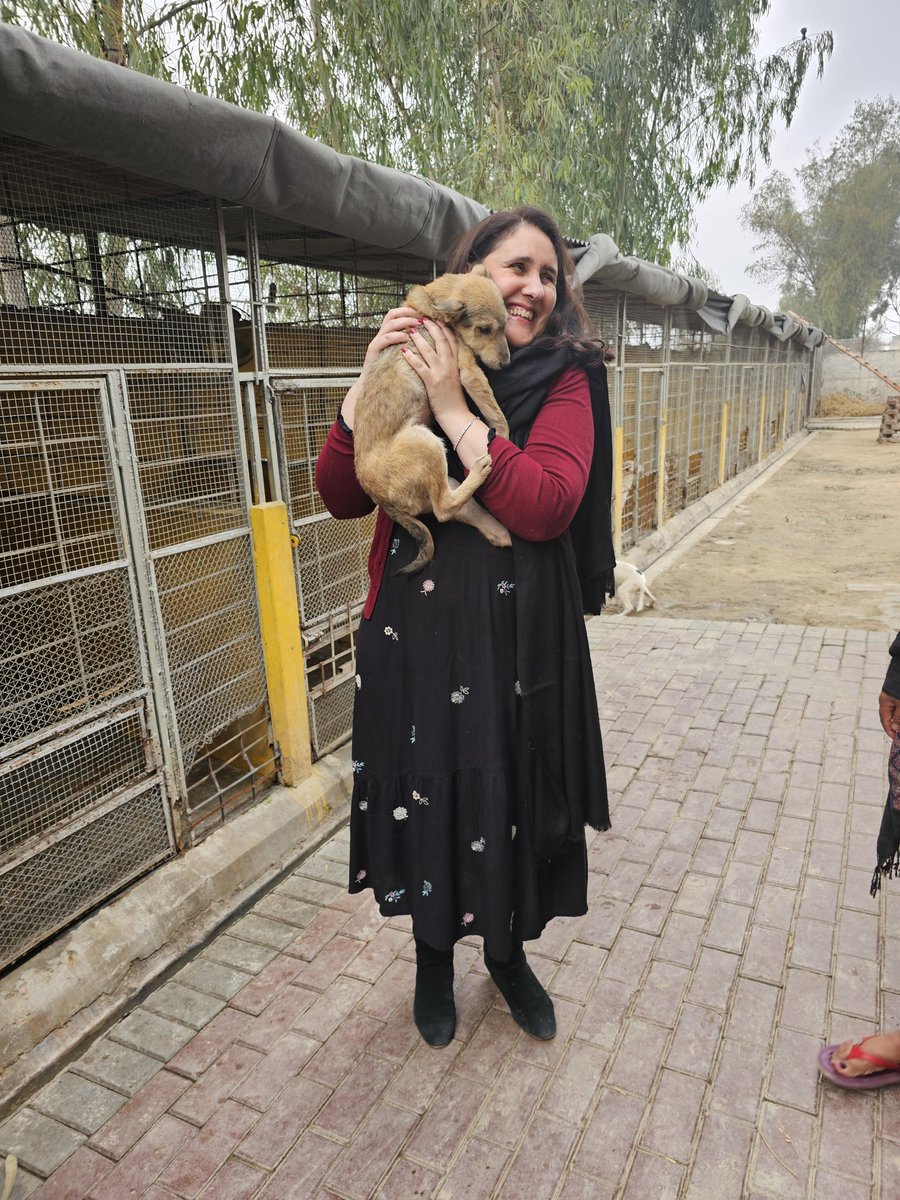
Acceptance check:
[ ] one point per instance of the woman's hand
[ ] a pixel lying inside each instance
(435, 361)
(889, 714)
(394, 330)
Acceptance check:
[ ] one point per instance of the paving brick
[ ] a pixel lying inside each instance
(650, 909)
(812, 945)
(236, 952)
(669, 870)
(360, 1092)
(282, 906)
(145, 1161)
(235, 1181)
(77, 1102)
(837, 1187)
(805, 1002)
(209, 1043)
(628, 958)
(653, 1176)
(795, 1077)
(775, 906)
(266, 984)
(819, 900)
(713, 978)
(446, 1123)
(192, 1168)
(728, 926)
(697, 894)
(214, 978)
(303, 1169)
(283, 1122)
(858, 934)
(395, 987)
(578, 972)
(72, 1181)
(673, 1115)
(539, 1163)
(326, 1014)
(409, 1181)
(547, 1054)
(156, 1036)
(610, 1135)
(328, 964)
(278, 1017)
(184, 1004)
(752, 1012)
(285, 1059)
(696, 1040)
(766, 954)
(476, 1170)
(367, 1159)
(513, 1098)
(216, 1083)
(638, 1057)
(324, 869)
(584, 1187)
(488, 1049)
(143, 1110)
(855, 987)
(783, 1149)
(680, 942)
(720, 1164)
(119, 1067)
(847, 1135)
(624, 880)
(603, 921)
(738, 1080)
(377, 954)
(661, 994)
(723, 824)
(785, 867)
(644, 845)
(575, 1083)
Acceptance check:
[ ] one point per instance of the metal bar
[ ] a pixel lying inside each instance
(211, 539)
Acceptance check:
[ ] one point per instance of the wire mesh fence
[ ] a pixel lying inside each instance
(166, 360)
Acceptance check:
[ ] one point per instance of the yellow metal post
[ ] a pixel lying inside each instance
(618, 449)
(723, 441)
(282, 645)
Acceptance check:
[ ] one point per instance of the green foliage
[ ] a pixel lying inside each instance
(617, 115)
(836, 256)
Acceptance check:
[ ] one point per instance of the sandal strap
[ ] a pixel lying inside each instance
(856, 1051)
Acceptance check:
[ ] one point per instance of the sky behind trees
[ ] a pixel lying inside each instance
(864, 65)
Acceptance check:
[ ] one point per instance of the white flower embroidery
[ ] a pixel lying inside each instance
(395, 545)
(504, 587)
(468, 918)
(421, 799)
(518, 688)
(412, 734)
(357, 766)
(393, 897)
(400, 813)
(426, 888)
(478, 845)
(360, 876)
(427, 587)
(513, 833)
(363, 805)
(459, 695)
(358, 682)
(391, 633)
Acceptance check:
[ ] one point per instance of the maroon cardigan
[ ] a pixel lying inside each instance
(534, 492)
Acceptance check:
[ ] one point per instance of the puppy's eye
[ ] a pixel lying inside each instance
(486, 330)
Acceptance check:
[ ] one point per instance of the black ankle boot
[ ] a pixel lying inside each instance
(528, 1002)
(434, 1011)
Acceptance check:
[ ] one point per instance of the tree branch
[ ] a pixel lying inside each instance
(169, 14)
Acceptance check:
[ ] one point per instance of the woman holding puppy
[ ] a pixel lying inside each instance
(476, 742)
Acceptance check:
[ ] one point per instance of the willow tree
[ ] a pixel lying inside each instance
(835, 249)
(618, 115)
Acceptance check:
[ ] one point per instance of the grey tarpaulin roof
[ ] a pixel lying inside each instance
(86, 106)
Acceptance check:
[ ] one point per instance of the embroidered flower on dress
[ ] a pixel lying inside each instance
(468, 918)
(360, 876)
(504, 587)
(391, 633)
(518, 688)
(395, 545)
(427, 587)
(358, 682)
(412, 734)
(363, 805)
(478, 845)
(357, 766)
(459, 695)
(393, 897)
(421, 799)
(513, 833)
(400, 813)
(426, 888)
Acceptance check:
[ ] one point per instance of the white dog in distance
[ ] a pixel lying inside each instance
(631, 589)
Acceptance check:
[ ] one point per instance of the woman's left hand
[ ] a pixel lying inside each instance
(437, 366)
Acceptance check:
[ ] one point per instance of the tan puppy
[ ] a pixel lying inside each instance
(399, 461)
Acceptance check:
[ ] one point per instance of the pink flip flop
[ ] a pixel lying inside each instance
(889, 1073)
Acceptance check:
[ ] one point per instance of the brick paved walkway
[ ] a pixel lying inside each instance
(730, 931)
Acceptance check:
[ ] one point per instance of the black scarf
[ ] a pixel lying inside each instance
(556, 582)
(888, 848)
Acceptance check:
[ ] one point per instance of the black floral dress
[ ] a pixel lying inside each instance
(439, 819)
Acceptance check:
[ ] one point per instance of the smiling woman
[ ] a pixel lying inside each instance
(481, 698)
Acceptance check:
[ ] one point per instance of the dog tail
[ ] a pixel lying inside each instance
(423, 539)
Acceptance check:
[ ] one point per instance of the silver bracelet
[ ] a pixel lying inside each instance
(463, 434)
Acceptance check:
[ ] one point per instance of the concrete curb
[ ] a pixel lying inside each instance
(89, 976)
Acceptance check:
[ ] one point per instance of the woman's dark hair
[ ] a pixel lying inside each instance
(569, 325)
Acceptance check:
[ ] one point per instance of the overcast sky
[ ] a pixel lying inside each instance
(865, 64)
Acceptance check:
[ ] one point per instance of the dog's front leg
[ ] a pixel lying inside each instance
(472, 513)
(473, 380)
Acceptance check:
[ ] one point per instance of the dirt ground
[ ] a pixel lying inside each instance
(816, 544)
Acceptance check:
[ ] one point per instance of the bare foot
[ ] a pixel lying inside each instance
(883, 1045)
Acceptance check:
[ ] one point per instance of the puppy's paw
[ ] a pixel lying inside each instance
(496, 534)
(481, 467)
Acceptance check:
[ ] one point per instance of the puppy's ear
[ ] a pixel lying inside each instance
(451, 308)
(479, 269)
